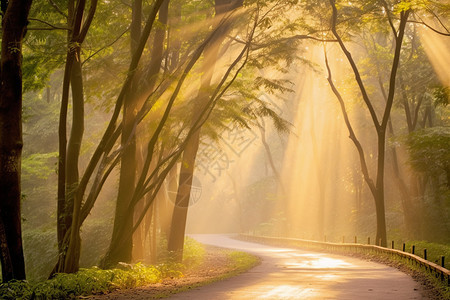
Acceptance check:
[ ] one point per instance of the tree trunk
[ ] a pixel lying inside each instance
(13, 31)
(381, 235)
(123, 223)
(412, 222)
(153, 234)
(168, 201)
(69, 200)
(72, 157)
(179, 216)
(376, 189)
(138, 253)
(282, 190)
(173, 53)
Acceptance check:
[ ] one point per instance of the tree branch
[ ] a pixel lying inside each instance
(352, 135)
(104, 47)
(353, 65)
(398, 46)
(56, 7)
(430, 27)
(388, 13)
(52, 27)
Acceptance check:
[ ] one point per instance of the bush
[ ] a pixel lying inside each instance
(97, 281)
(85, 282)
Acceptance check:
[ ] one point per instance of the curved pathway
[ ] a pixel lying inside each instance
(286, 273)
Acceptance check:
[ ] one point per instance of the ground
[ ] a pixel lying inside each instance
(216, 265)
(428, 288)
(287, 273)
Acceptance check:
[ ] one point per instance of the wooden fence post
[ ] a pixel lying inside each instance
(392, 245)
(368, 240)
(413, 249)
(403, 247)
(425, 254)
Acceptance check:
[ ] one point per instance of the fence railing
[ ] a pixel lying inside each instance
(434, 269)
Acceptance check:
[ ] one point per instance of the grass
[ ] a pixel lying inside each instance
(434, 251)
(438, 288)
(97, 281)
(238, 262)
(87, 281)
(438, 285)
(93, 280)
(241, 262)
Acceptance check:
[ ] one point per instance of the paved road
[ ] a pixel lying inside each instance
(298, 274)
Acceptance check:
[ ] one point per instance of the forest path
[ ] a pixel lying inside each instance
(287, 273)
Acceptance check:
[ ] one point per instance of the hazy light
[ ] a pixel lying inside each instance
(437, 48)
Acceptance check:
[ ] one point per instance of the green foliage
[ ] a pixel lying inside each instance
(429, 150)
(441, 95)
(242, 261)
(434, 251)
(193, 253)
(96, 281)
(40, 252)
(96, 235)
(86, 282)
(37, 165)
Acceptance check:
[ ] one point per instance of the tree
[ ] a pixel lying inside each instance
(101, 159)
(128, 142)
(69, 152)
(241, 105)
(177, 231)
(429, 156)
(14, 27)
(132, 104)
(376, 187)
(413, 109)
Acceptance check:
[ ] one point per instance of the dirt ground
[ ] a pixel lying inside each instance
(216, 264)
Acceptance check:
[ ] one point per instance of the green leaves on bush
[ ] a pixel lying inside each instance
(86, 282)
(97, 281)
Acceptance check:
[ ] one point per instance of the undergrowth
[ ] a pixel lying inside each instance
(242, 261)
(97, 281)
(434, 251)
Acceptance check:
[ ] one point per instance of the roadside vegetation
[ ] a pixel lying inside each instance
(433, 286)
(237, 262)
(435, 251)
(94, 280)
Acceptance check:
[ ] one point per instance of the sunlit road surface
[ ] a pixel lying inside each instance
(287, 273)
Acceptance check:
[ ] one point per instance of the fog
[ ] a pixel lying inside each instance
(321, 194)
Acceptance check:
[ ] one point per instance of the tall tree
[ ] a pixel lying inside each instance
(376, 187)
(132, 104)
(69, 152)
(128, 142)
(101, 162)
(14, 26)
(179, 216)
